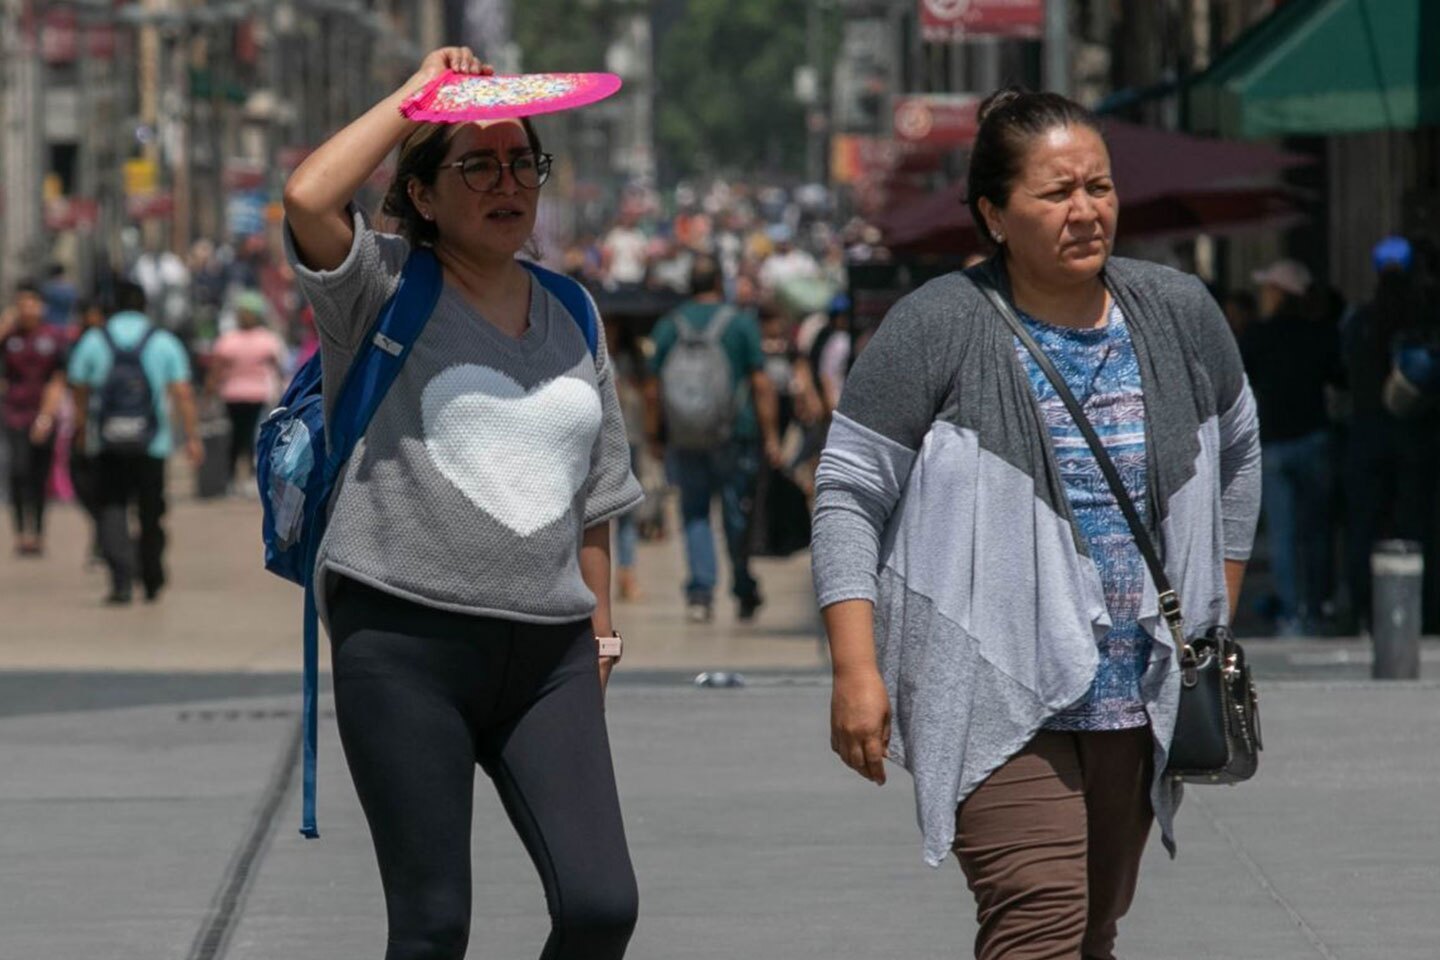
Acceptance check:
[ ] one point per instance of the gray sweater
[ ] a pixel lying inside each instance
(487, 459)
(939, 500)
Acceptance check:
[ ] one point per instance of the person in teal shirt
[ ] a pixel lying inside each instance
(729, 468)
(134, 478)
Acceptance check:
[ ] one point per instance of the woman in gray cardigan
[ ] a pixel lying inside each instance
(979, 584)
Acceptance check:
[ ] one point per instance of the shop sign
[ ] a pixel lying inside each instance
(946, 21)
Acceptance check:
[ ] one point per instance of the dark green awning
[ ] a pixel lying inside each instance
(1318, 67)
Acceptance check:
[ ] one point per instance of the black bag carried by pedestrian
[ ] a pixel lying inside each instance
(126, 414)
(780, 521)
(1217, 728)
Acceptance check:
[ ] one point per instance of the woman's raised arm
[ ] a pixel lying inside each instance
(319, 190)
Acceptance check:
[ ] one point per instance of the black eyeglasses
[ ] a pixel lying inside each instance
(482, 173)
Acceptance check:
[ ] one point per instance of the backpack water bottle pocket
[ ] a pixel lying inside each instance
(289, 463)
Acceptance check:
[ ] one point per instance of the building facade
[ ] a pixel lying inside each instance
(148, 124)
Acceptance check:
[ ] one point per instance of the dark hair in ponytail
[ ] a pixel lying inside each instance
(1009, 120)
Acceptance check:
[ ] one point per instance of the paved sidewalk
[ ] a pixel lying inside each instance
(127, 836)
(223, 612)
(150, 804)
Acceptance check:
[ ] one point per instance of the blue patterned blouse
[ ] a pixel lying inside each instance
(1102, 371)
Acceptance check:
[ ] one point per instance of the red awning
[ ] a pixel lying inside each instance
(1169, 183)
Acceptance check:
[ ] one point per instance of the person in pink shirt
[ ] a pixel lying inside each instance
(245, 373)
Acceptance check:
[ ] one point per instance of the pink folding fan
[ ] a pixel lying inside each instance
(460, 97)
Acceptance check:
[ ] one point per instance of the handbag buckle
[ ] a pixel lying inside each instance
(1189, 666)
(1170, 610)
(1170, 607)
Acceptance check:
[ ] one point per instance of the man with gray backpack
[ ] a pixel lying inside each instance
(720, 415)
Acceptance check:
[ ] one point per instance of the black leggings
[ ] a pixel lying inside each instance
(244, 418)
(29, 474)
(421, 696)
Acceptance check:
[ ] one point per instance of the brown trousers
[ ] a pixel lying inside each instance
(1051, 843)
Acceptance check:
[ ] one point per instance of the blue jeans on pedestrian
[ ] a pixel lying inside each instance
(627, 540)
(729, 471)
(1296, 498)
(627, 531)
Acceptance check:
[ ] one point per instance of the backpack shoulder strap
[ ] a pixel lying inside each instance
(574, 298)
(116, 350)
(684, 329)
(144, 340)
(383, 353)
(373, 370)
(713, 330)
(719, 323)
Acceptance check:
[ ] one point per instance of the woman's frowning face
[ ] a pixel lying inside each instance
(1059, 222)
(477, 201)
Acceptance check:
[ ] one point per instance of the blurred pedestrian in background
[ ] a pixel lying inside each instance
(976, 571)
(628, 362)
(245, 369)
(1240, 311)
(60, 297)
(624, 253)
(830, 354)
(85, 462)
(32, 368)
(464, 576)
(127, 374)
(1393, 461)
(1292, 357)
(720, 417)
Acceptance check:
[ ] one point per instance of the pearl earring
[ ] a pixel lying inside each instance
(999, 238)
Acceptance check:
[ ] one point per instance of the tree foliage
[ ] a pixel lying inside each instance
(562, 34)
(724, 98)
(724, 74)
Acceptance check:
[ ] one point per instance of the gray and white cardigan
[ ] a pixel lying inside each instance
(938, 498)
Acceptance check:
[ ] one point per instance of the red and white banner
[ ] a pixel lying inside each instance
(60, 35)
(71, 213)
(944, 21)
(153, 206)
(943, 120)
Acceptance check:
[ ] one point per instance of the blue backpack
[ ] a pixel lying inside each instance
(300, 454)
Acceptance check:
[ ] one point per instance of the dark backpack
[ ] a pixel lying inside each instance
(125, 410)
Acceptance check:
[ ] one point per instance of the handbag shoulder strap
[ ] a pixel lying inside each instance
(1169, 600)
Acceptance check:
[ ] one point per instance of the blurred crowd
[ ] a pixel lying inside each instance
(102, 386)
(1349, 403)
(764, 271)
(774, 246)
(1348, 393)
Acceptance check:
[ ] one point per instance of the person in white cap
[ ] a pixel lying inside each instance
(1290, 358)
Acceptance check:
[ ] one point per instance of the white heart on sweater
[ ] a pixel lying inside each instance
(519, 455)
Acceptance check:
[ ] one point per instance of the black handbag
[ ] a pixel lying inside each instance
(1217, 729)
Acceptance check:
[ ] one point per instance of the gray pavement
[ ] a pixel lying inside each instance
(150, 805)
(125, 827)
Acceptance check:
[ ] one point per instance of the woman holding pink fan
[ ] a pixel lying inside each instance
(464, 575)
